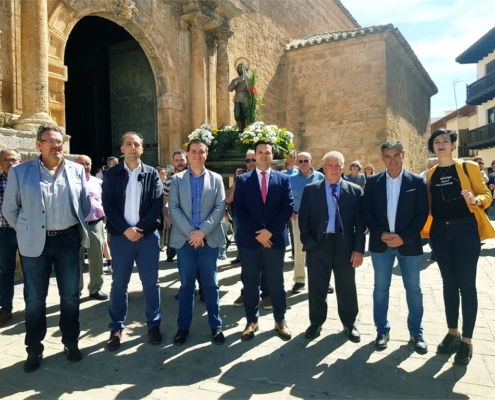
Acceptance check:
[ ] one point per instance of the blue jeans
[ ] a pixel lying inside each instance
(409, 267)
(61, 251)
(146, 252)
(8, 250)
(190, 260)
(457, 248)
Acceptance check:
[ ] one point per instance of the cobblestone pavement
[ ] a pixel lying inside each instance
(265, 367)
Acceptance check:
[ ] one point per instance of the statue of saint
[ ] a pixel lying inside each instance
(239, 84)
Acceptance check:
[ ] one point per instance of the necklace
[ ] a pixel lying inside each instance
(447, 170)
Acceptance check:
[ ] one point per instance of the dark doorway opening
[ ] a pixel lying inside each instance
(96, 113)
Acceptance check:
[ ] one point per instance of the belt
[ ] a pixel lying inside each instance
(94, 222)
(330, 236)
(62, 231)
(456, 221)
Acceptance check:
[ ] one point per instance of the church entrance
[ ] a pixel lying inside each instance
(110, 90)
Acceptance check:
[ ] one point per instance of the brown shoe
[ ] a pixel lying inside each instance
(249, 330)
(114, 342)
(239, 302)
(283, 329)
(266, 303)
(5, 317)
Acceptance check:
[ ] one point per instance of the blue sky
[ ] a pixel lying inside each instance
(438, 31)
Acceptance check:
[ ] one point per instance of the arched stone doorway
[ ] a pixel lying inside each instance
(110, 90)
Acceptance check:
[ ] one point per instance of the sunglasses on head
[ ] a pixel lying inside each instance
(248, 160)
(303, 161)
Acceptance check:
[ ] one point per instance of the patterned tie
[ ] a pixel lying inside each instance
(263, 186)
(337, 212)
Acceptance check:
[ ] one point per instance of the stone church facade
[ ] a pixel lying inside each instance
(161, 67)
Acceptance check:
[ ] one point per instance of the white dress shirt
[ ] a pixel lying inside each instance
(133, 196)
(393, 191)
(260, 177)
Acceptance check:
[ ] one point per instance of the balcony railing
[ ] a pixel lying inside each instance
(482, 90)
(482, 137)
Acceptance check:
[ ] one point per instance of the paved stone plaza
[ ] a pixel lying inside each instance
(267, 366)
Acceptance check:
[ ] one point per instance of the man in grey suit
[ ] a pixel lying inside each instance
(196, 205)
(47, 203)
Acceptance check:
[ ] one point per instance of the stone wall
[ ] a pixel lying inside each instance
(337, 98)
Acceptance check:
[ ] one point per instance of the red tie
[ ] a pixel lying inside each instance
(263, 186)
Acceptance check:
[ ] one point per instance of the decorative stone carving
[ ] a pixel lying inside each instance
(123, 10)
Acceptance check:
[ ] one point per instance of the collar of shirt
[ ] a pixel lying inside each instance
(399, 177)
(136, 170)
(200, 175)
(268, 172)
(339, 184)
(311, 173)
(42, 165)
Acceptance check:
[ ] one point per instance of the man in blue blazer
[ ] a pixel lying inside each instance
(263, 204)
(332, 234)
(47, 203)
(395, 209)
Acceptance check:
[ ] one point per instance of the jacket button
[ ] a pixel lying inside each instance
(43, 226)
(43, 211)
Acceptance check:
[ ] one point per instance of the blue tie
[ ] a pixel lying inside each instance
(337, 213)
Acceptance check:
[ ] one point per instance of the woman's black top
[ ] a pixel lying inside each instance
(447, 201)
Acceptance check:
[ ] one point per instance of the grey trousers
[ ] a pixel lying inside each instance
(95, 258)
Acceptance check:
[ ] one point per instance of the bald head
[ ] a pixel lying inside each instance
(85, 161)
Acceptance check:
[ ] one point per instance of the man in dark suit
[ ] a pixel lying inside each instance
(263, 204)
(395, 208)
(332, 234)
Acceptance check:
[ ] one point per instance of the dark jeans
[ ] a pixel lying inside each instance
(457, 249)
(171, 253)
(271, 261)
(8, 250)
(61, 251)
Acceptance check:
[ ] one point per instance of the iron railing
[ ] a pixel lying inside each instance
(482, 137)
(482, 90)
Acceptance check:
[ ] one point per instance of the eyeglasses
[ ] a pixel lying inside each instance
(52, 142)
(303, 161)
(455, 198)
(248, 160)
(11, 160)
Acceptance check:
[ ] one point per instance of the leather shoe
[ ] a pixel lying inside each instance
(419, 344)
(99, 295)
(114, 342)
(352, 333)
(298, 287)
(450, 344)
(33, 360)
(464, 354)
(72, 351)
(218, 337)
(313, 332)
(266, 303)
(330, 289)
(5, 317)
(169, 259)
(249, 330)
(180, 337)
(283, 329)
(381, 341)
(154, 335)
(235, 260)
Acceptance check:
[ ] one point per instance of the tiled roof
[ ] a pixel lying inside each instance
(336, 36)
(347, 13)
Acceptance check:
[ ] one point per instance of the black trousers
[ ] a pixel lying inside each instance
(321, 260)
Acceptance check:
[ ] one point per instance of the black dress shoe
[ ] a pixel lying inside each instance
(33, 360)
(313, 332)
(235, 260)
(99, 295)
(169, 259)
(180, 337)
(450, 344)
(154, 335)
(419, 344)
(381, 341)
(298, 287)
(72, 352)
(218, 337)
(352, 333)
(464, 354)
(330, 289)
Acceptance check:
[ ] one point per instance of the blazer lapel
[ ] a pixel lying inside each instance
(382, 191)
(185, 189)
(35, 176)
(271, 185)
(207, 184)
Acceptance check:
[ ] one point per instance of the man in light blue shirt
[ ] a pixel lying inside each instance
(305, 175)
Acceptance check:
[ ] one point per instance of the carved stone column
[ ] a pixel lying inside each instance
(198, 73)
(223, 77)
(34, 69)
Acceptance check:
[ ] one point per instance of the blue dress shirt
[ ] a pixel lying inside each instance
(196, 193)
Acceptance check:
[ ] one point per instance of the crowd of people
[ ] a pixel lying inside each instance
(53, 211)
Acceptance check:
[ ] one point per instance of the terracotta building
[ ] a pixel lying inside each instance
(100, 68)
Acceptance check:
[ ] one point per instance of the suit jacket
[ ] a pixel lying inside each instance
(313, 219)
(212, 209)
(253, 215)
(412, 212)
(24, 209)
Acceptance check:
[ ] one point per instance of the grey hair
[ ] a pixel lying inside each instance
(250, 151)
(2, 152)
(132, 133)
(43, 128)
(336, 154)
(392, 144)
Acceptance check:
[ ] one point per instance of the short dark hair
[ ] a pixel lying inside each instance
(111, 158)
(43, 128)
(262, 142)
(439, 132)
(392, 144)
(179, 151)
(197, 141)
(131, 133)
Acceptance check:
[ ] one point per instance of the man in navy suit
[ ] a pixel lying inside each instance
(332, 234)
(395, 208)
(263, 204)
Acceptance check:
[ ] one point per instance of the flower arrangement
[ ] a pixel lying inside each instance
(204, 133)
(280, 138)
(254, 100)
